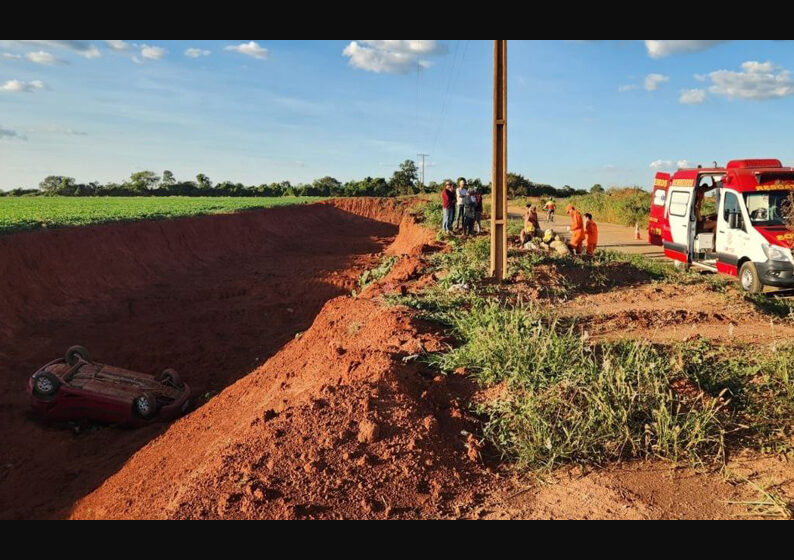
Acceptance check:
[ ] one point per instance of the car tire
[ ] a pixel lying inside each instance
(749, 280)
(169, 377)
(145, 406)
(75, 354)
(46, 384)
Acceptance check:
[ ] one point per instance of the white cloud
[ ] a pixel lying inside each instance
(8, 133)
(627, 87)
(392, 56)
(196, 53)
(692, 96)
(80, 47)
(14, 86)
(661, 164)
(9, 56)
(152, 53)
(43, 57)
(660, 49)
(118, 45)
(756, 80)
(249, 49)
(652, 81)
(668, 164)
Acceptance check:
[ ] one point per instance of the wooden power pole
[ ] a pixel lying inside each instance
(499, 168)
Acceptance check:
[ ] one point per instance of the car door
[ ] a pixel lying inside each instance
(681, 220)
(732, 237)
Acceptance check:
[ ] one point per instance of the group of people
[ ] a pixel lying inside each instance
(584, 231)
(462, 208)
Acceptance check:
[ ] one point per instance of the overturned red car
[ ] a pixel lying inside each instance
(75, 388)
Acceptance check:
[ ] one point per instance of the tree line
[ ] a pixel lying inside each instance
(404, 181)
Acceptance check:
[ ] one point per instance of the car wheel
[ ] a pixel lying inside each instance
(75, 354)
(748, 277)
(145, 406)
(46, 384)
(169, 377)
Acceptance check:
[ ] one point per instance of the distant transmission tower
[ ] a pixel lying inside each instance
(423, 156)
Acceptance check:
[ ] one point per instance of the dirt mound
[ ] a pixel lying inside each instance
(342, 422)
(211, 296)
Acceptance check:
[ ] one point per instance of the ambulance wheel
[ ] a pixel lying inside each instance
(75, 353)
(748, 277)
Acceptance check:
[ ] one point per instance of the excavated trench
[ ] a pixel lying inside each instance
(212, 296)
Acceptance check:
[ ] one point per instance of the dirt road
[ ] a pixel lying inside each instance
(610, 236)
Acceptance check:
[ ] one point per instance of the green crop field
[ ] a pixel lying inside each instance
(27, 213)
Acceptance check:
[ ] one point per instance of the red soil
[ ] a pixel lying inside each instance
(211, 296)
(343, 422)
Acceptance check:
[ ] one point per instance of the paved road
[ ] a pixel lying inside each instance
(610, 236)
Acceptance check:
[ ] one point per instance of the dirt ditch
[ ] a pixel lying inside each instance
(212, 296)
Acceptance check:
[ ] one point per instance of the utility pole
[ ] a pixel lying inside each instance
(499, 168)
(423, 156)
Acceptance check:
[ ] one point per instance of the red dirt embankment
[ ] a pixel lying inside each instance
(341, 422)
(212, 296)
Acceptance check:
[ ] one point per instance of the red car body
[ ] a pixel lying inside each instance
(79, 389)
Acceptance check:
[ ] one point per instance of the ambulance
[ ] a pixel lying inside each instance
(731, 220)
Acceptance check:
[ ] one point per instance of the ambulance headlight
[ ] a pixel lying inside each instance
(777, 253)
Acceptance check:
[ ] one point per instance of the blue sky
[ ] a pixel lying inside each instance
(258, 111)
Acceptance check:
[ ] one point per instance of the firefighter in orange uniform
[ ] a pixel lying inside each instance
(590, 234)
(577, 229)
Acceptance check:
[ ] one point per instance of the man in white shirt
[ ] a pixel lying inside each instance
(461, 193)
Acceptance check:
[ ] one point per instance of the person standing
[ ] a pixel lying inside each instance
(461, 192)
(590, 234)
(469, 212)
(475, 192)
(447, 207)
(577, 229)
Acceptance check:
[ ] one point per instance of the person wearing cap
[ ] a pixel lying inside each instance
(447, 207)
(461, 192)
(590, 234)
(577, 229)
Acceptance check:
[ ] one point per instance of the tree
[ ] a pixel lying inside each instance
(141, 182)
(405, 178)
(58, 184)
(168, 179)
(597, 188)
(203, 182)
(327, 186)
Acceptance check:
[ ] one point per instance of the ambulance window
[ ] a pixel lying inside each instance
(658, 197)
(679, 203)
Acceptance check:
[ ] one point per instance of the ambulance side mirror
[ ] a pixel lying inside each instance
(735, 220)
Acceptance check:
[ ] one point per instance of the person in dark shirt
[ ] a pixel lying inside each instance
(448, 200)
(475, 192)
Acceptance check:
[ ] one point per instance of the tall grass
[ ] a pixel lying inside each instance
(565, 400)
(625, 206)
